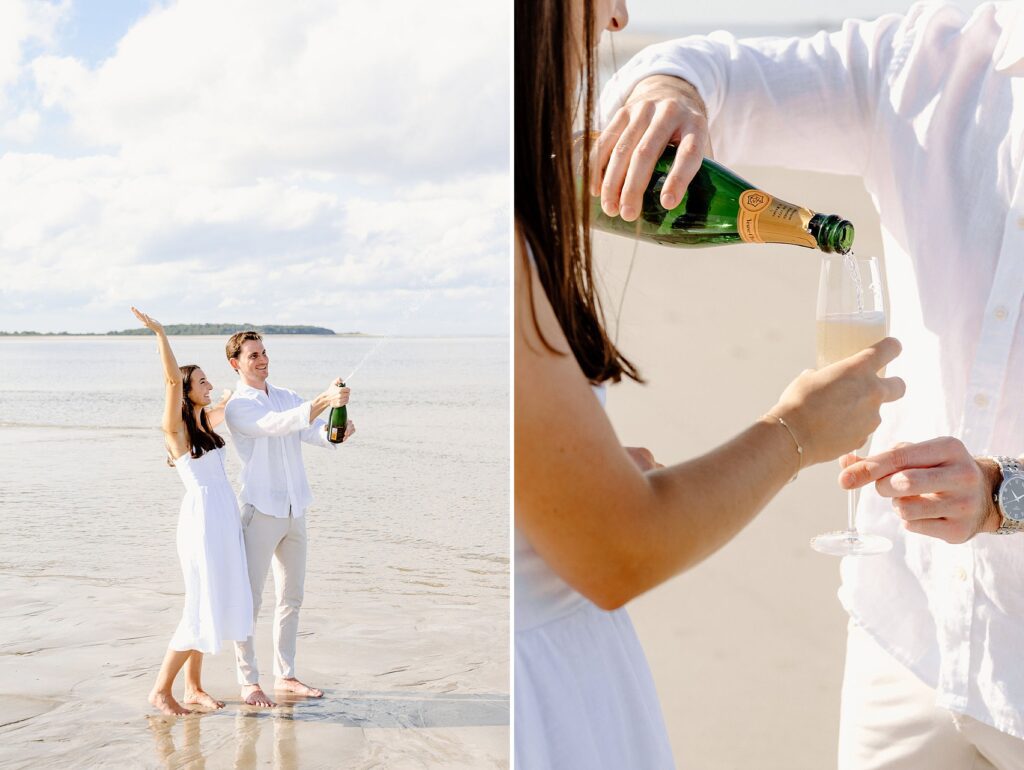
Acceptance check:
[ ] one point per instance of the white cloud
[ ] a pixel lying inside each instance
(346, 87)
(23, 22)
(316, 163)
(22, 127)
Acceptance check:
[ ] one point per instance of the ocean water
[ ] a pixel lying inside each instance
(408, 570)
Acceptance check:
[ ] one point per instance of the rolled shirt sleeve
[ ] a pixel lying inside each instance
(806, 103)
(251, 418)
(316, 435)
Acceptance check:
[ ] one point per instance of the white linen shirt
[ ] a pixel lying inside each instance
(929, 109)
(267, 429)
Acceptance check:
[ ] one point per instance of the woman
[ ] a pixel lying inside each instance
(218, 600)
(597, 524)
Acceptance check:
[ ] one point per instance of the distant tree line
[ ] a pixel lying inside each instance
(196, 329)
(231, 329)
(45, 334)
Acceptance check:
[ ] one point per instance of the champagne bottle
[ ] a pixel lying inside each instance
(337, 421)
(719, 208)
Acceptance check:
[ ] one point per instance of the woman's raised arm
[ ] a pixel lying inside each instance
(172, 424)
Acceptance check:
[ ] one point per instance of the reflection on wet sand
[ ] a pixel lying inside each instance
(248, 726)
(405, 709)
(178, 742)
(167, 752)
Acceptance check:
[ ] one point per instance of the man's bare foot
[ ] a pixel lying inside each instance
(253, 695)
(164, 702)
(297, 687)
(202, 698)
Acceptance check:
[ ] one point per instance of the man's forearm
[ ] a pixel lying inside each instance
(747, 89)
(662, 84)
(318, 406)
(259, 422)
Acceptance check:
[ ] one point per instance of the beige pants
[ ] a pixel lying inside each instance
(889, 721)
(283, 542)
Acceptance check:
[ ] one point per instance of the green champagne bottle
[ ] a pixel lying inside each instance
(719, 208)
(336, 422)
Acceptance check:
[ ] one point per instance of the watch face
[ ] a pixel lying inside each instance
(1011, 497)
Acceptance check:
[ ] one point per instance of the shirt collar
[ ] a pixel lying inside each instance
(1009, 53)
(247, 391)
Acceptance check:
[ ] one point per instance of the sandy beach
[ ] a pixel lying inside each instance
(405, 619)
(747, 649)
(75, 685)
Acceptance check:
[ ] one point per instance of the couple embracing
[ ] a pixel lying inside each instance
(225, 552)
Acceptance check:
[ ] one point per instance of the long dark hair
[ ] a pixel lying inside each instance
(201, 437)
(551, 214)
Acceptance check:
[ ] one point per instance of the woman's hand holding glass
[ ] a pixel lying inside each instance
(833, 410)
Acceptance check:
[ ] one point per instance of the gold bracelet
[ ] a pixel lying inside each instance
(799, 449)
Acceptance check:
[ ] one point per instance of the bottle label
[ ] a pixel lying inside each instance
(764, 219)
(334, 433)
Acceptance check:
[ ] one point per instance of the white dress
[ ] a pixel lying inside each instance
(218, 600)
(584, 696)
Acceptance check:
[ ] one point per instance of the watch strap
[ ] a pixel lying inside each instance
(1009, 467)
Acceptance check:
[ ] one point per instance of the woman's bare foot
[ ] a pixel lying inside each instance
(164, 702)
(297, 687)
(253, 695)
(202, 698)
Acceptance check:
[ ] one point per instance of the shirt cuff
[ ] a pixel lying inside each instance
(660, 59)
(322, 433)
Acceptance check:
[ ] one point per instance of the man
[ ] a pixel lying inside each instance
(929, 109)
(267, 424)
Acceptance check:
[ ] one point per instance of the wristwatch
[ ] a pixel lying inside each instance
(1009, 496)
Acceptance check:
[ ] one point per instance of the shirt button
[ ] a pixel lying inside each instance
(981, 400)
(960, 573)
(1001, 313)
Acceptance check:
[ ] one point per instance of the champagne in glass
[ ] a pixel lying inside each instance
(851, 316)
(842, 334)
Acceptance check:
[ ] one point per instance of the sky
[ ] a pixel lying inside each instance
(341, 164)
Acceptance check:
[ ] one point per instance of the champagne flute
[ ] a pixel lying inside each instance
(851, 316)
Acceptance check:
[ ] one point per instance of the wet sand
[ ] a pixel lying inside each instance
(747, 649)
(75, 684)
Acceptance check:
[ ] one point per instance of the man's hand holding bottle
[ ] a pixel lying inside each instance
(337, 394)
(661, 110)
(334, 397)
